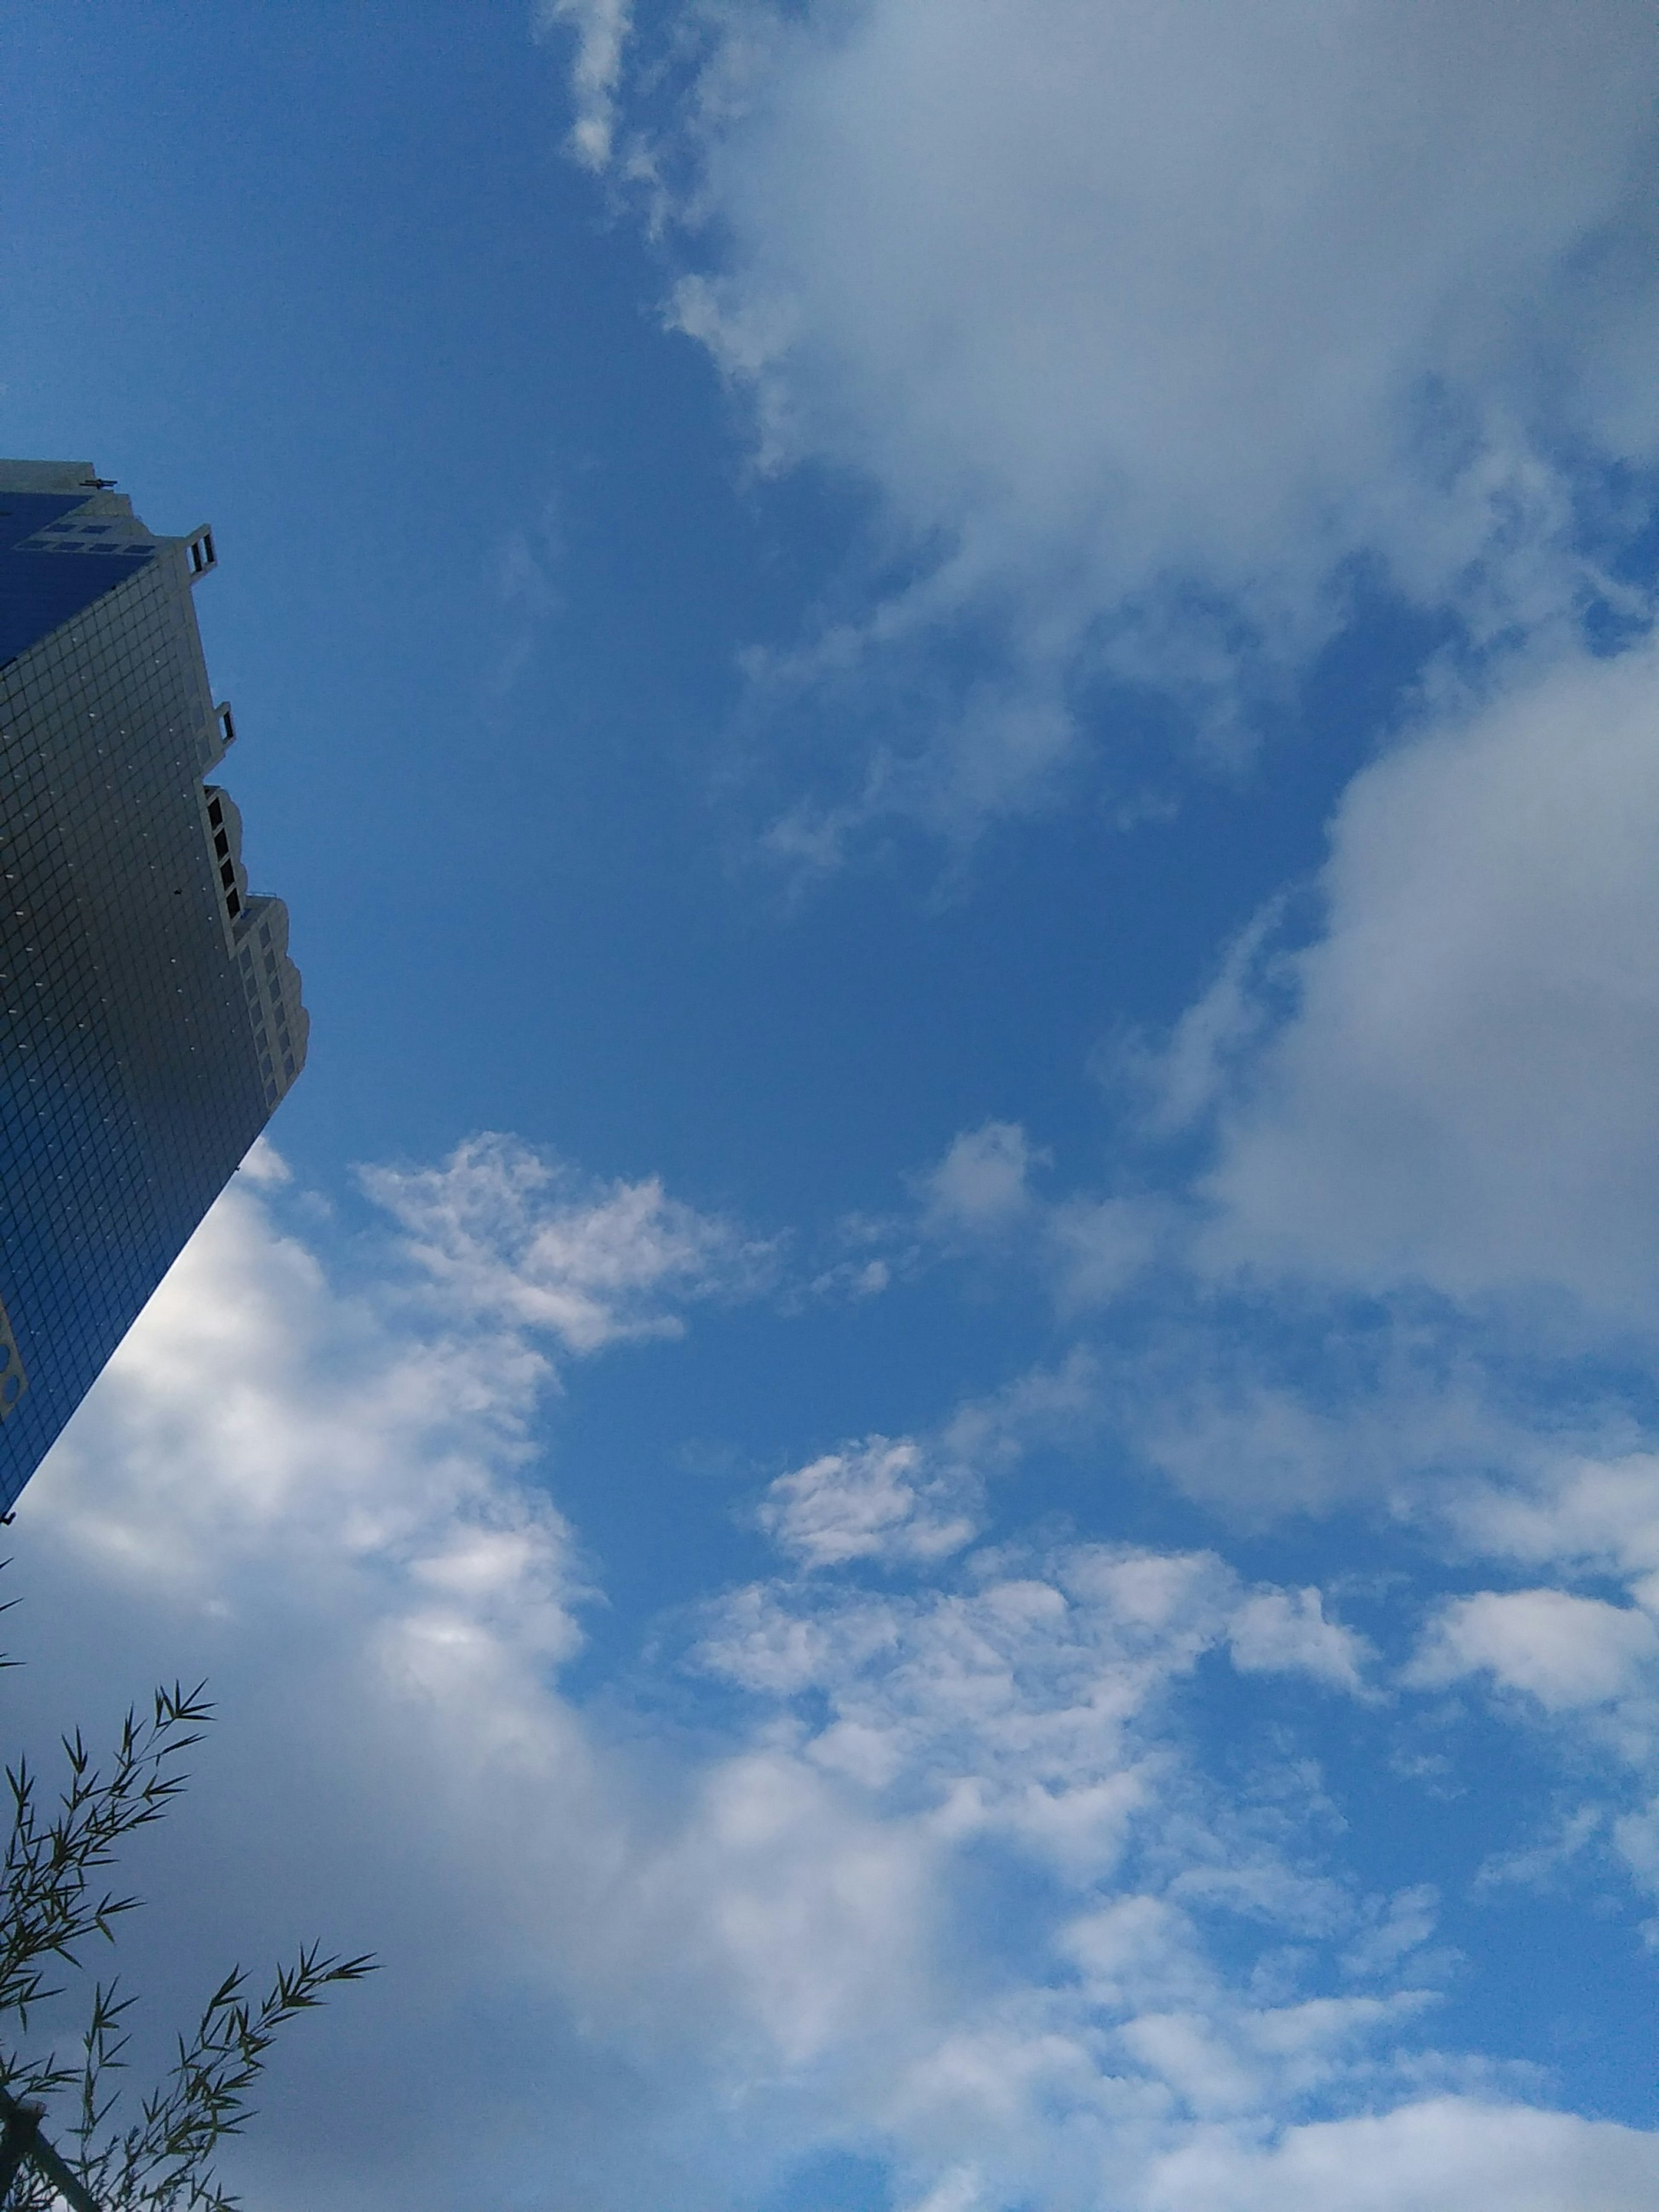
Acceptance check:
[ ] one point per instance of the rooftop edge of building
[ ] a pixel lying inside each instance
(51, 476)
(80, 490)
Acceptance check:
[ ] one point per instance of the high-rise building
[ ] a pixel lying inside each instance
(149, 1017)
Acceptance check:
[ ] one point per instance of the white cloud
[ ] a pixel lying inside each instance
(1463, 1093)
(508, 1234)
(959, 2191)
(258, 1408)
(910, 1500)
(1016, 1703)
(1029, 1714)
(1145, 322)
(600, 29)
(751, 1944)
(1443, 2156)
(1099, 1249)
(1578, 1512)
(1398, 1926)
(874, 1499)
(1285, 1631)
(1566, 1651)
(980, 1188)
(1536, 1865)
(1550, 1652)
(320, 1498)
(1217, 1420)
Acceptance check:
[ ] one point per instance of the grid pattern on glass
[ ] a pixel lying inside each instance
(14, 1375)
(39, 587)
(132, 1075)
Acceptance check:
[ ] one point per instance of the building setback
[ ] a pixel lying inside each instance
(150, 1018)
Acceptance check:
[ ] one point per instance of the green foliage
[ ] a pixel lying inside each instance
(55, 1903)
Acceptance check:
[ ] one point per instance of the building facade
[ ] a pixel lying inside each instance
(150, 1018)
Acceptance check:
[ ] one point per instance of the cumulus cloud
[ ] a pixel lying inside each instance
(1549, 1653)
(1440, 2155)
(1581, 1511)
(1452, 1086)
(258, 1407)
(1019, 1695)
(1027, 1716)
(909, 1499)
(1287, 1631)
(322, 1498)
(1461, 1094)
(874, 1499)
(1011, 1703)
(1566, 1651)
(1146, 325)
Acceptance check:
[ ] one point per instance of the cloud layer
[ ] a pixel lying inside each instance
(1149, 328)
(951, 1884)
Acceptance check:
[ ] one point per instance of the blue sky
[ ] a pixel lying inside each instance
(924, 1465)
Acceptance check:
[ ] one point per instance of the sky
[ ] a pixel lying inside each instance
(925, 1465)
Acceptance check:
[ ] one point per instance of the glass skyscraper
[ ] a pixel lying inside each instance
(150, 1015)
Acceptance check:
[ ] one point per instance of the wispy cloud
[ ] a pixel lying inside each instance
(601, 30)
(506, 1234)
(1147, 332)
